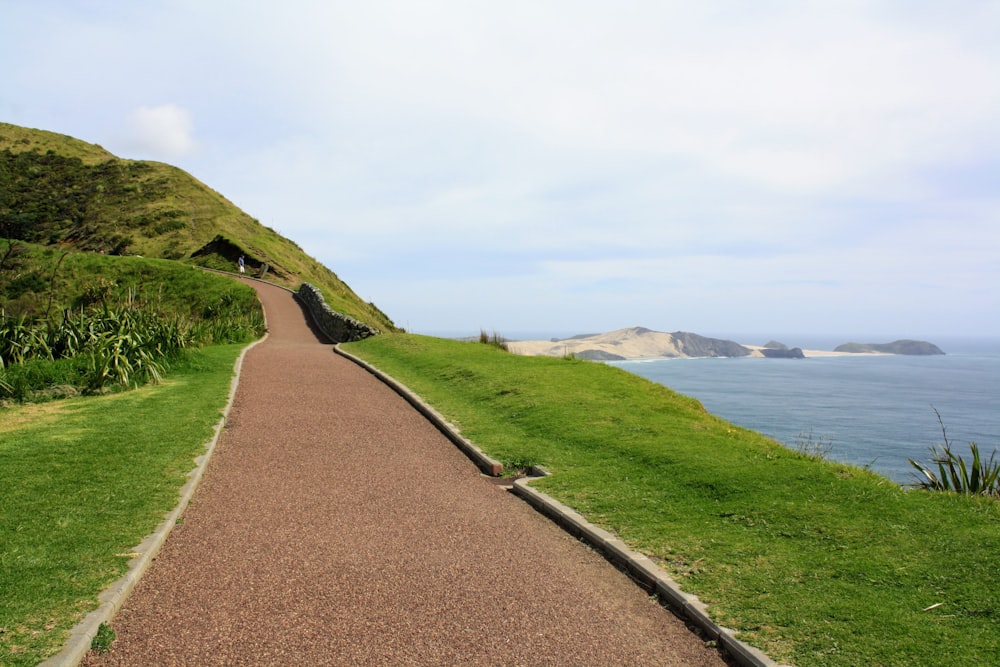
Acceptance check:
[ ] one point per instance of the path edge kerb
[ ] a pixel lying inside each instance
(112, 598)
(639, 567)
(486, 464)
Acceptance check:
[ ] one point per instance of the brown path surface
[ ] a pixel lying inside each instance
(336, 526)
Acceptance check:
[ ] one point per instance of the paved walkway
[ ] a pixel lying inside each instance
(336, 526)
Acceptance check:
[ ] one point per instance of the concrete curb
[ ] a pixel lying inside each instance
(112, 598)
(483, 462)
(644, 572)
(639, 567)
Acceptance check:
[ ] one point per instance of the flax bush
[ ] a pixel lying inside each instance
(110, 347)
(949, 471)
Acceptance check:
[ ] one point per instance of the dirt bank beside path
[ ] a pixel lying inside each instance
(336, 526)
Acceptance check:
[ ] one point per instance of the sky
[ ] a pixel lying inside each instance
(556, 167)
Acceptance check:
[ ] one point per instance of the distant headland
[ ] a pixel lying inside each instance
(905, 346)
(641, 343)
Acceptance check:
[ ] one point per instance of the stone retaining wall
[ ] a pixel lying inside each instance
(338, 327)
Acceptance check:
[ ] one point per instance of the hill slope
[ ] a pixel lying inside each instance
(59, 191)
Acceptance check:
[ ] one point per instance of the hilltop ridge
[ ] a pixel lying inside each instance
(62, 192)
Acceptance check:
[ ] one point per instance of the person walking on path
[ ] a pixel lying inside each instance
(242, 264)
(336, 526)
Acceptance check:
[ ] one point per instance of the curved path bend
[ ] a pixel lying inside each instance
(336, 526)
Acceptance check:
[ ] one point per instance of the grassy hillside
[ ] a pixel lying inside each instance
(58, 191)
(40, 282)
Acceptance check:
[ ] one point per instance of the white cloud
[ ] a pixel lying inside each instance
(552, 160)
(800, 98)
(165, 131)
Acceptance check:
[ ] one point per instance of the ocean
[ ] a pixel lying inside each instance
(872, 411)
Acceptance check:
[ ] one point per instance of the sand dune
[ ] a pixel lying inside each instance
(628, 344)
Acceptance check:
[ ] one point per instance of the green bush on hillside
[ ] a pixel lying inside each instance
(104, 348)
(121, 348)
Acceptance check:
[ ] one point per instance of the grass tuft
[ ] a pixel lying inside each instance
(494, 340)
(103, 639)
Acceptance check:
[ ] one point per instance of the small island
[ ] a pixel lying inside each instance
(776, 350)
(905, 346)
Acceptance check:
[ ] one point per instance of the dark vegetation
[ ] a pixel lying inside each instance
(494, 339)
(82, 323)
(48, 199)
(694, 345)
(783, 353)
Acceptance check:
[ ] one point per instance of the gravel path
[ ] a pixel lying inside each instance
(336, 526)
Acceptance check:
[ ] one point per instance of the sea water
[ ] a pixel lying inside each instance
(872, 411)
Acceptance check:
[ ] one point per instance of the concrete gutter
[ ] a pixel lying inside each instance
(639, 567)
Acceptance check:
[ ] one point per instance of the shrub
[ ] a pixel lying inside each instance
(976, 478)
(106, 347)
(494, 339)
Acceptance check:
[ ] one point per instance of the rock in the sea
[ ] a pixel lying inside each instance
(783, 352)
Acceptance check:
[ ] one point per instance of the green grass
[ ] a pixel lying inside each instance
(814, 562)
(84, 481)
